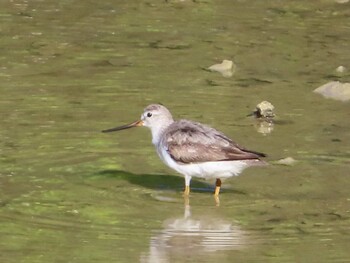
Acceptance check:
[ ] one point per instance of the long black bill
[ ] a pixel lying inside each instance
(127, 126)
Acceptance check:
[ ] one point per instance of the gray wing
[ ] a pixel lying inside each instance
(191, 142)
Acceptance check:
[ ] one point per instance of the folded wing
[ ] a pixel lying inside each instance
(190, 142)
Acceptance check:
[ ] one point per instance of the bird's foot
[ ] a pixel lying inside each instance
(217, 200)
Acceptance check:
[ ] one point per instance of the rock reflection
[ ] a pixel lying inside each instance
(186, 237)
(264, 126)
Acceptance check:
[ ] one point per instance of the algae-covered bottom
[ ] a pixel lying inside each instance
(69, 69)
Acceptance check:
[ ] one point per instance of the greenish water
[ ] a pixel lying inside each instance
(69, 69)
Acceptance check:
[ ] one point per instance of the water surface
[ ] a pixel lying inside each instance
(69, 69)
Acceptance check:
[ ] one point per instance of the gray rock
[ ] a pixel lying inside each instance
(289, 161)
(264, 109)
(340, 69)
(226, 68)
(335, 90)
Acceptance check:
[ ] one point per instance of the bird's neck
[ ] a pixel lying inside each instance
(158, 130)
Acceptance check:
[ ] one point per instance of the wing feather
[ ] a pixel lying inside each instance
(192, 142)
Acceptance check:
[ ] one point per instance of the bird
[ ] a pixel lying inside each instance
(194, 149)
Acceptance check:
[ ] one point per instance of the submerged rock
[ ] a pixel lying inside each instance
(226, 68)
(335, 90)
(286, 161)
(340, 69)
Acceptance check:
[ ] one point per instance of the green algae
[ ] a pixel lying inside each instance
(69, 193)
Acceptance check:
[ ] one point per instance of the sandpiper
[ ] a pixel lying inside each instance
(194, 149)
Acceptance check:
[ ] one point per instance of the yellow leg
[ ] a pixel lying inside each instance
(217, 190)
(187, 191)
(217, 187)
(217, 200)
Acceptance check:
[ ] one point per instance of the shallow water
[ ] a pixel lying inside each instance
(69, 69)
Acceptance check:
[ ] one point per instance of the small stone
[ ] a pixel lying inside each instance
(335, 90)
(287, 161)
(226, 68)
(264, 109)
(340, 69)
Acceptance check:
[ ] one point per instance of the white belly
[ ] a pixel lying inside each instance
(207, 170)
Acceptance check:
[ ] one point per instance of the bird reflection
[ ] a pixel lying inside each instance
(189, 237)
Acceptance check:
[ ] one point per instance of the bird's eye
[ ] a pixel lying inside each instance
(149, 115)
